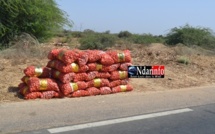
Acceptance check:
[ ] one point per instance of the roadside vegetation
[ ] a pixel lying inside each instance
(39, 18)
(42, 19)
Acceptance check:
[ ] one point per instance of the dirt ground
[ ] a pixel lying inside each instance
(198, 72)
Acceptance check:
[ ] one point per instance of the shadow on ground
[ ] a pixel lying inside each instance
(15, 90)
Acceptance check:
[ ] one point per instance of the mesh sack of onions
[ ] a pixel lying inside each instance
(24, 90)
(91, 75)
(50, 94)
(105, 90)
(42, 72)
(118, 75)
(94, 55)
(104, 75)
(71, 87)
(66, 56)
(110, 68)
(106, 59)
(32, 95)
(124, 66)
(100, 67)
(95, 67)
(62, 77)
(122, 88)
(21, 85)
(118, 82)
(46, 84)
(83, 57)
(54, 53)
(98, 82)
(54, 64)
(80, 77)
(93, 91)
(73, 67)
(80, 93)
(25, 79)
(120, 56)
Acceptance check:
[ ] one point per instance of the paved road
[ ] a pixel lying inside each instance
(39, 116)
(197, 120)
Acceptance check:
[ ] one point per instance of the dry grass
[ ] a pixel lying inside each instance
(25, 47)
(181, 49)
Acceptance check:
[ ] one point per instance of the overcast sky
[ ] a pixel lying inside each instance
(139, 16)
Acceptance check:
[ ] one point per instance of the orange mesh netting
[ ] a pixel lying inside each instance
(73, 67)
(124, 66)
(110, 68)
(64, 78)
(105, 90)
(122, 88)
(104, 75)
(24, 90)
(42, 72)
(93, 91)
(98, 83)
(91, 75)
(53, 54)
(95, 67)
(25, 79)
(80, 93)
(118, 82)
(121, 56)
(50, 94)
(21, 87)
(106, 59)
(94, 55)
(71, 87)
(83, 58)
(66, 56)
(100, 67)
(46, 84)
(119, 75)
(80, 77)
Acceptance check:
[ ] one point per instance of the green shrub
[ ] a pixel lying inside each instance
(41, 18)
(77, 34)
(97, 41)
(189, 36)
(146, 39)
(124, 34)
(183, 60)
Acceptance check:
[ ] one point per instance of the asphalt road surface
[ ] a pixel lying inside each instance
(187, 111)
(195, 120)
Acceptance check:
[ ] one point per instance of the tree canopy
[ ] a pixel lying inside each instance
(41, 18)
(189, 35)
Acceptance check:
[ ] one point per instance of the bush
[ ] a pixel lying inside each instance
(124, 34)
(77, 34)
(97, 41)
(146, 39)
(183, 60)
(189, 36)
(41, 18)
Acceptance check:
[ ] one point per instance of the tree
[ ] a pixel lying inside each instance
(189, 35)
(41, 18)
(124, 34)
